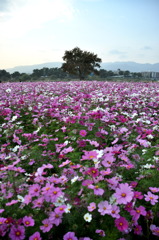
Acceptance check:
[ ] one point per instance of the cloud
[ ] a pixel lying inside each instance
(24, 15)
(146, 48)
(116, 52)
(118, 55)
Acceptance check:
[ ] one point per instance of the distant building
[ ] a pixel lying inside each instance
(151, 75)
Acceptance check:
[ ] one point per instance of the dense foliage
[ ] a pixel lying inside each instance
(80, 63)
(79, 160)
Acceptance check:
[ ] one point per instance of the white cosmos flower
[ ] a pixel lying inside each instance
(15, 148)
(20, 198)
(68, 208)
(30, 108)
(88, 217)
(147, 166)
(8, 90)
(13, 118)
(74, 179)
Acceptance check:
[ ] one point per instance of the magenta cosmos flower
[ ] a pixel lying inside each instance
(17, 233)
(35, 236)
(124, 193)
(121, 224)
(83, 133)
(138, 230)
(70, 236)
(92, 172)
(28, 221)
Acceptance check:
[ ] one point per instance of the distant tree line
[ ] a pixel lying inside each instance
(58, 73)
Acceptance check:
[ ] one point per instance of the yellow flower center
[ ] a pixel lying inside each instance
(123, 195)
(18, 233)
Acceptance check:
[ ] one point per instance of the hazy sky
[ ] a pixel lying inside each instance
(38, 31)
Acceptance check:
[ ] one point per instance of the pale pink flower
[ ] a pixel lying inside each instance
(91, 207)
(124, 193)
(70, 236)
(47, 225)
(154, 229)
(104, 207)
(35, 236)
(100, 232)
(151, 197)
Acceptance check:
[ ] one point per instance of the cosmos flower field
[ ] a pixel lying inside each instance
(79, 160)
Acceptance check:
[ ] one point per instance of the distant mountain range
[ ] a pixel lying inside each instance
(130, 66)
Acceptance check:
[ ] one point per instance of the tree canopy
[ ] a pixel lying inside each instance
(80, 63)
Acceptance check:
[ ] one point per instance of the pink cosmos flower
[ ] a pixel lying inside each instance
(108, 160)
(37, 203)
(34, 190)
(124, 193)
(137, 212)
(92, 172)
(16, 139)
(121, 224)
(151, 197)
(154, 189)
(138, 230)
(47, 225)
(60, 209)
(12, 202)
(143, 142)
(55, 217)
(104, 207)
(133, 184)
(70, 236)
(17, 233)
(149, 215)
(27, 199)
(91, 206)
(35, 236)
(88, 155)
(113, 182)
(55, 193)
(154, 229)
(108, 171)
(48, 187)
(1, 210)
(3, 230)
(157, 152)
(28, 221)
(100, 232)
(115, 211)
(83, 133)
(138, 195)
(2, 220)
(97, 190)
(87, 182)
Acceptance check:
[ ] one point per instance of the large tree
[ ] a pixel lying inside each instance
(80, 63)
